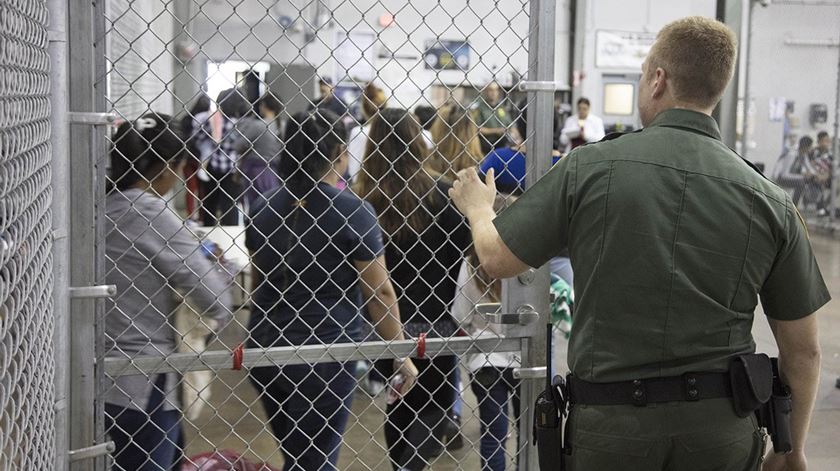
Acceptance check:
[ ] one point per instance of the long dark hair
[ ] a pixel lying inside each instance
(393, 179)
(142, 149)
(313, 141)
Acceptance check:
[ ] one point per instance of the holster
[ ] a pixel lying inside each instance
(549, 411)
(774, 415)
(758, 389)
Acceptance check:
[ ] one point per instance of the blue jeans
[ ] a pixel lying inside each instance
(308, 408)
(495, 388)
(145, 440)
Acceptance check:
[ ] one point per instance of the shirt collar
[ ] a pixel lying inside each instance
(693, 121)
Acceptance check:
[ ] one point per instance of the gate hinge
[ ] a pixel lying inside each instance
(101, 291)
(94, 119)
(92, 451)
(542, 86)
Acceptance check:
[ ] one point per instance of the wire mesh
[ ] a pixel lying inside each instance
(27, 392)
(279, 230)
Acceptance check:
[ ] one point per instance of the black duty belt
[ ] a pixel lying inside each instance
(640, 392)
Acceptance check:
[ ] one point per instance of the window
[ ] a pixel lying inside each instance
(619, 99)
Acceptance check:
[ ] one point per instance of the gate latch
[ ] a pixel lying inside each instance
(524, 315)
(101, 291)
(92, 451)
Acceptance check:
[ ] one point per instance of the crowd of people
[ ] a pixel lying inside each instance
(345, 228)
(807, 170)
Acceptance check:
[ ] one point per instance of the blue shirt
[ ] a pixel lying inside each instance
(509, 165)
(306, 252)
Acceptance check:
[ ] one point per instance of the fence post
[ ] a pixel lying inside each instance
(60, 223)
(835, 151)
(534, 289)
(86, 66)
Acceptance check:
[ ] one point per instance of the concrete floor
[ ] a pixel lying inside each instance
(237, 423)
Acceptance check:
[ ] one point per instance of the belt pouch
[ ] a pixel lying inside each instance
(751, 378)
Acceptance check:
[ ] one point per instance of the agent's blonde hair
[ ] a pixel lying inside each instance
(698, 55)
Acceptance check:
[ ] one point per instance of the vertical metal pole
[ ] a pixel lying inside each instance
(99, 156)
(747, 98)
(86, 66)
(835, 150)
(60, 223)
(730, 12)
(533, 288)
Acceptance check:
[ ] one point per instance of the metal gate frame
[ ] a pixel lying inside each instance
(87, 106)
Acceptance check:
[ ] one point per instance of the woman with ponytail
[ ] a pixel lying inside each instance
(426, 238)
(153, 260)
(317, 258)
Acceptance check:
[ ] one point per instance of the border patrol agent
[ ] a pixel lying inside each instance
(673, 238)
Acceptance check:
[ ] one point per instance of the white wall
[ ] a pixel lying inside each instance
(647, 16)
(138, 50)
(804, 74)
(498, 35)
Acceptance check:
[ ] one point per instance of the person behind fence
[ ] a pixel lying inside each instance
(673, 239)
(491, 117)
(426, 116)
(269, 108)
(328, 101)
(491, 374)
(582, 128)
(258, 148)
(822, 165)
(457, 142)
(426, 238)
(218, 134)
(153, 260)
(791, 168)
(318, 258)
(508, 162)
(373, 100)
(192, 181)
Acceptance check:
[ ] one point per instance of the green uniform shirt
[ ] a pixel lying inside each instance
(486, 116)
(673, 238)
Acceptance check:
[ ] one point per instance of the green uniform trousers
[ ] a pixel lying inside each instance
(678, 436)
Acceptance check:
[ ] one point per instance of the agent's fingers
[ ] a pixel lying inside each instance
(490, 179)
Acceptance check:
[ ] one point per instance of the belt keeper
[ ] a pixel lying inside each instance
(421, 345)
(639, 396)
(691, 392)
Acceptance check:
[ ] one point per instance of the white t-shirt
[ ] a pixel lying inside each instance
(356, 145)
(593, 130)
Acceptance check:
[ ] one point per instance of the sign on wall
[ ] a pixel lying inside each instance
(447, 55)
(622, 49)
(353, 55)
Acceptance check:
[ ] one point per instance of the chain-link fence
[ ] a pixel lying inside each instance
(294, 288)
(26, 315)
(788, 126)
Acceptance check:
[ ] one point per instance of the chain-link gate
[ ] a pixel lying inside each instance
(27, 366)
(276, 222)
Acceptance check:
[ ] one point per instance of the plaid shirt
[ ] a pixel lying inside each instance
(222, 159)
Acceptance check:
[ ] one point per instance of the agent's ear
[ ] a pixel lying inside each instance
(660, 82)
